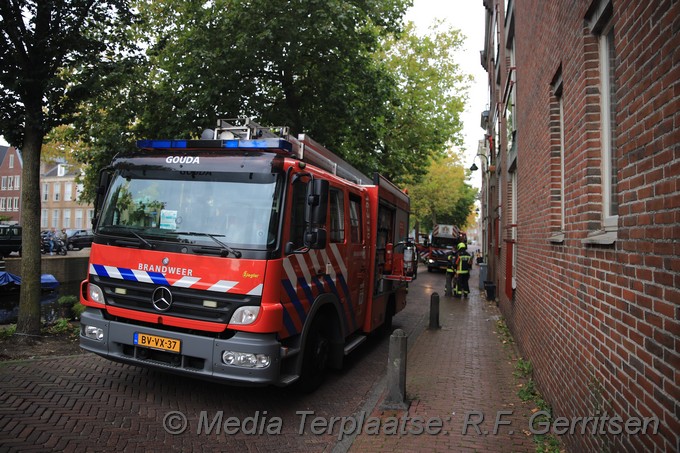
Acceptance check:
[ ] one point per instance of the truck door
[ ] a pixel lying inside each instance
(358, 259)
(346, 243)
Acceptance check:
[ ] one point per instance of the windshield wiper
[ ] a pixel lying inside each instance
(132, 232)
(147, 243)
(224, 247)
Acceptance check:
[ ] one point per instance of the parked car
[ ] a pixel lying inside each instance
(78, 239)
(10, 239)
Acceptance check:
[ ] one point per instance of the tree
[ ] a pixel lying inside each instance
(51, 54)
(443, 196)
(305, 64)
(424, 120)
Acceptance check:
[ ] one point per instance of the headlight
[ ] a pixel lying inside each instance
(246, 359)
(96, 333)
(95, 293)
(245, 315)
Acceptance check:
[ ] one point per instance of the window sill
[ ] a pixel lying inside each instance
(557, 238)
(601, 237)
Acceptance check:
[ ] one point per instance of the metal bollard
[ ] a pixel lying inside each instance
(434, 311)
(396, 372)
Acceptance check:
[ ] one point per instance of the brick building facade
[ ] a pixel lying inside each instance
(10, 185)
(582, 207)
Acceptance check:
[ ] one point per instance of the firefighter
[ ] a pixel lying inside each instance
(450, 274)
(462, 267)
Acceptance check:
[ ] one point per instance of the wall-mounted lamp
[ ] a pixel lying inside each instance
(474, 166)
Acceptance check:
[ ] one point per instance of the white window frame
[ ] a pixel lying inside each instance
(16, 204)
(11, 161)
(601, 25)
(3, 204)
(44, 216)
(57, 191)
(17, 182)
(610, 220)
(68, 191)
(46, 192)
(3, 183)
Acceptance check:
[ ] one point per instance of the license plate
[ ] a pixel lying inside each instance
(155, 342)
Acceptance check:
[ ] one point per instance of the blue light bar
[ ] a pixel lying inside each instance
(265, 144)
(161, 144)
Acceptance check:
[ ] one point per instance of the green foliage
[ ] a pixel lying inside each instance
(7, 331)
(424, 118)
(61, 325)
(342, 71)
(67, 301)
(78, 310)
(523, 368)
(443, 195)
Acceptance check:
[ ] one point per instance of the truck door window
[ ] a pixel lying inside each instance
(297, 217)
(337, 226)
(356, 233)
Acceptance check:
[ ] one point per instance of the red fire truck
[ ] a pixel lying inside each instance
(248, 256)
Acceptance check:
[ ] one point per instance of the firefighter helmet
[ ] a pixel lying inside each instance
(461, 246)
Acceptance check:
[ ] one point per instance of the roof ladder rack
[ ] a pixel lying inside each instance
(314, 153)
(243, 128)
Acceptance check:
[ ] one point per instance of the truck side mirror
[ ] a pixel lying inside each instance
(316, 213)
(317, 201)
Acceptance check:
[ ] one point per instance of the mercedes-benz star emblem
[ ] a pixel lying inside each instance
(161, 298)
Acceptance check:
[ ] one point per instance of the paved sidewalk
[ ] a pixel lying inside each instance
(455, 376)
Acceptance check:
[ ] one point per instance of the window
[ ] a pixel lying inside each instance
(337, 226)
(599, 18)
(55, 218)
(10, 183)
(3, 204)
(3, 184)
(68, 189)
(57, 190)
(17, 179)
(45, 192)
(608, 127)
(79, 219)
(355, 219)
(43, 218)
(67, 218)
(557, 160)
(16, 204)
(11, 161)
(297, 217)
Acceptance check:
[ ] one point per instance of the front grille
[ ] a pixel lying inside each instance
(186, 302)
(164, 358)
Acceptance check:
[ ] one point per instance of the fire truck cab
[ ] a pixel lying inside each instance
(248, 256)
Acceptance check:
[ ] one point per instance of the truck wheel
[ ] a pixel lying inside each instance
(316, 354)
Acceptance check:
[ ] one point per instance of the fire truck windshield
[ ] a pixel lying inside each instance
(241, 210)
(443, 242)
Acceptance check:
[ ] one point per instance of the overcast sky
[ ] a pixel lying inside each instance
(468, 17)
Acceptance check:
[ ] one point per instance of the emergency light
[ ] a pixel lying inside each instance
(266, 144)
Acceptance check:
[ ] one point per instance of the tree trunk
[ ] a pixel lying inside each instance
(29, 301)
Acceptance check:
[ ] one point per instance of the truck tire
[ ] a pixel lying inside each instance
(316, 352)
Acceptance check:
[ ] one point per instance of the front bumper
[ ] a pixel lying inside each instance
(199, 356)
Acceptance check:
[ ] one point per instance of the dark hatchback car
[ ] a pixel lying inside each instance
(10, 239)
(78, 239)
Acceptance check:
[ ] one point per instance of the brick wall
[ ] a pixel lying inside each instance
(600, 322)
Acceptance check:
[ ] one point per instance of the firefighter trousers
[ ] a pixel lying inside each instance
(450, 283)
(462, 285)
